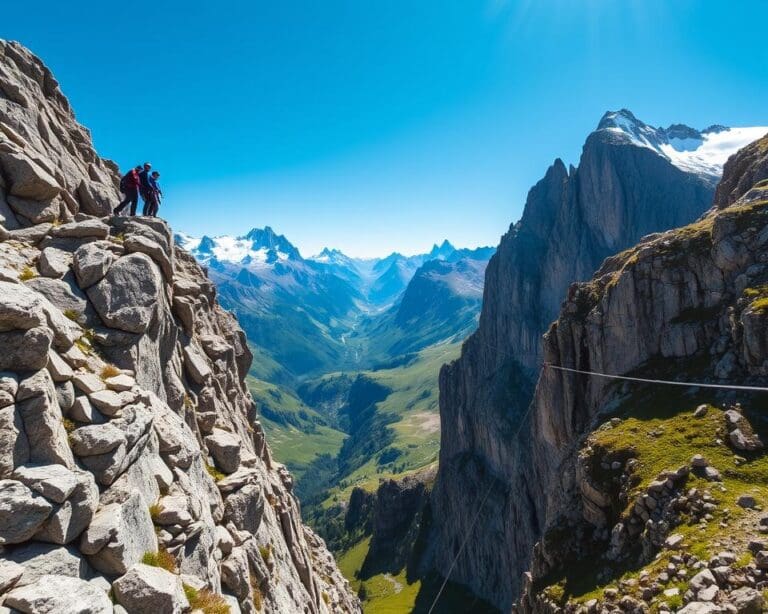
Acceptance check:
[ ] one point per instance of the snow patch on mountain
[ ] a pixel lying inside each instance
(701, 152)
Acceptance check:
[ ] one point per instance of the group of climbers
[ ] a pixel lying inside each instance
(137, 181)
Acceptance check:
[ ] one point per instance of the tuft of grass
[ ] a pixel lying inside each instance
(266, 552)
(154, 511)
(214, 473)
(256, 590)
(72, 314)
(27, 273)
(118, 238)
(110, 371)
(162, 558)
(84, 346)
(326, 598)
(205, 601)
(69, 425)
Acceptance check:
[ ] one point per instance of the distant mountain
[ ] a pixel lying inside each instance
(302, 314)
(441, 302)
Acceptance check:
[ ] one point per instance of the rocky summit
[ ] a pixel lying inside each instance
(134, 474)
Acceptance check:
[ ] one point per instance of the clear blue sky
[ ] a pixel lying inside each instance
(380, 125)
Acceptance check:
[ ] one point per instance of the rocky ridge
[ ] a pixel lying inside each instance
(133, 468)
(574, 219)
(688, 303)
(658, 495)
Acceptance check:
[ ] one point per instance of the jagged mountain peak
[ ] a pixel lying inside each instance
(443, 250)
(698, 152)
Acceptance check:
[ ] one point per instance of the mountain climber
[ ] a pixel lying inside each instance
(146, 187)
(152, 204)
(129, 185)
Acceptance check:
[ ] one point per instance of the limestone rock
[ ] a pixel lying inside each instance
(119, 535)
(126, 298)
(28, 179)
(150, 589)
(22, 512)
(225, 449)
(54, 482)
(91, 263)
(14, 446)
(54, 262)
(40, 560)
(245, 508)
(59, 594)
(41, 415)
(86, 228)
(62, 294)
(25, 350)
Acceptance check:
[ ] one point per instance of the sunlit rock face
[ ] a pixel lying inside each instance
(131, 457)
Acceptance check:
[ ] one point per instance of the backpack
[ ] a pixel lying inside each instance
(124, 181)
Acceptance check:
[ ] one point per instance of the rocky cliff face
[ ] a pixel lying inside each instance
(689, 304)
(133, 468)
(572, 221)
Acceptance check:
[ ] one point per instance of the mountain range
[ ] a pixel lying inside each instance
(305, 314)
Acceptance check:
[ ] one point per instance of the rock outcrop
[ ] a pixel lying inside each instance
(573, 219)
(131, 457)
(688, 304)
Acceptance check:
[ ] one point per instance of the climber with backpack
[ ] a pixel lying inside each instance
(129, 185)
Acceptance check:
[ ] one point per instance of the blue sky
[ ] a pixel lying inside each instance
(380, 126)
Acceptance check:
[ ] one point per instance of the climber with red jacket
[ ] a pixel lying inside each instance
(129, 185)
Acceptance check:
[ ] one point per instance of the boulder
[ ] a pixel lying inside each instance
(127, 297)
(65, 395)
(151, 589)
(85, 228)
(88, 383)
(245, 508)
(27, 178)
(144, 245)
(62, 594)
(235, 573)
(83, 411)
(196, 365)
(25, 350)
(173, 510)
(54, 482)
(747, 600)
(14, 446)
(58, 368)
(91, 263)
(119, 535)
(22, 512)
(36, 211)
(120, 383)
(95, 439)
(108, 402)
(22, 308)
(62, 293)
(225, 449)
(54, 262)
(42, 419)
(73, 516)
(700, 607)
(43, 559)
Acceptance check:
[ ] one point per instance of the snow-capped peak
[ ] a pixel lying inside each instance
(259, 246)
(693, 151)
(331, 256)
